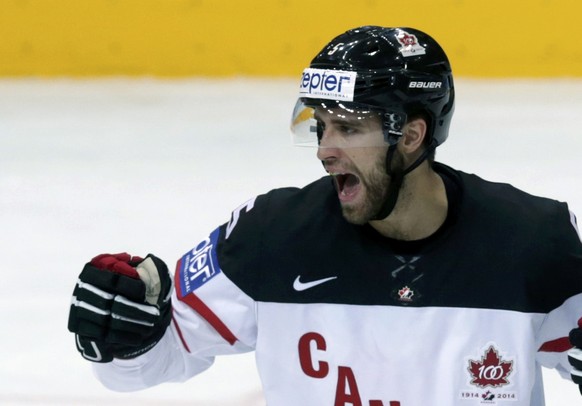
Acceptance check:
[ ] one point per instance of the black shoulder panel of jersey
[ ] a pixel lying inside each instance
(505, 250)
(529, 244)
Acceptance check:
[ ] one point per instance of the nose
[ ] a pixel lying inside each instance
(328, 148)
(327, 154)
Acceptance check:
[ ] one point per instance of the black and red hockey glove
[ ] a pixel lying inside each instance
(120, 306)
(575, 355)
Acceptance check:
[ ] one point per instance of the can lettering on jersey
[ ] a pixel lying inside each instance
(312, 349)
(199, 265)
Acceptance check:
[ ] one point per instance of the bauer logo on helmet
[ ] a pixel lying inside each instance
(425, 85)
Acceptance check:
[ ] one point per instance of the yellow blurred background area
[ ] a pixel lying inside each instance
(215, 38)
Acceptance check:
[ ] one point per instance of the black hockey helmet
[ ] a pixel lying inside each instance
(399, 72)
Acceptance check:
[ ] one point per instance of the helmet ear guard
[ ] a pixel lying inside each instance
(392, 126)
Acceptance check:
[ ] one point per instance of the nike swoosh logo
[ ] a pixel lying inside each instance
(300, 286)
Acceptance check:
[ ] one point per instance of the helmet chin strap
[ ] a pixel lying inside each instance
(396, 179)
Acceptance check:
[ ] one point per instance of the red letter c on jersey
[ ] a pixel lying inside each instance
(305, 355)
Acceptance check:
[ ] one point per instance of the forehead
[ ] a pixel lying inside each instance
(348, 115)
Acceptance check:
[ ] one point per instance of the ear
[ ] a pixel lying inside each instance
(413, 136)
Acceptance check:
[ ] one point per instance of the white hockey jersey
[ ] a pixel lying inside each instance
(340, 316)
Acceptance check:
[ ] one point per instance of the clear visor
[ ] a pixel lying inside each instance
(334, 124)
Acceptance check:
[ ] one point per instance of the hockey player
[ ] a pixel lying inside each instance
(396, 280)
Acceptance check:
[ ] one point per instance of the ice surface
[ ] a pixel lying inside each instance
(91, 166)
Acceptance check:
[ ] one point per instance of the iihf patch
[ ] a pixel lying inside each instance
(199, 265)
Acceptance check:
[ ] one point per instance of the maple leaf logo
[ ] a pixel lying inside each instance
(488, 396)
(491, 370)
(406, 294)
(407, 39)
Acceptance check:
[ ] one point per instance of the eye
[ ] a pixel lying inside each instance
(347, 129)
(320, 128)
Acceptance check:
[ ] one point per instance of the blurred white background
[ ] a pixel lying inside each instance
(152, 166)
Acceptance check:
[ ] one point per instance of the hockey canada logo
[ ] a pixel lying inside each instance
(488, 396)
(410, 45)
(405, 294)
(490, 370)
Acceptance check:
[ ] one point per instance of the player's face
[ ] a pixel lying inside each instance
(353, 152)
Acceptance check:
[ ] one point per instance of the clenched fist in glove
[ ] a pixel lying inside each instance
(575, 355)
(120, 306)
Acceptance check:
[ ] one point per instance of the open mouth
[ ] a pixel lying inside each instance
(347, 185)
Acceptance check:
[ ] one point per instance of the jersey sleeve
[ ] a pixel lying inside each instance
(211, 314)
(563, 283)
